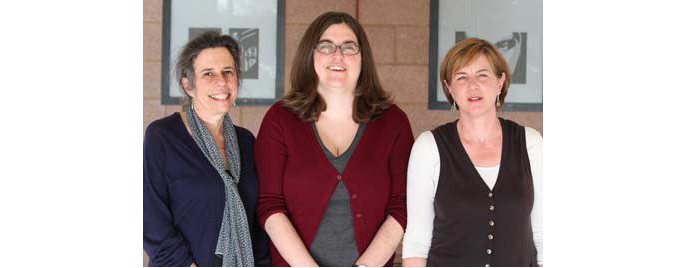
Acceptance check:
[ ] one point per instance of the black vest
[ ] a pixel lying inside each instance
(473, 225)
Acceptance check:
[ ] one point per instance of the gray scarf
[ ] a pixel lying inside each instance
(234, 238)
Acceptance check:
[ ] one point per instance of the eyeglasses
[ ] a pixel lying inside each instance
(345, 48)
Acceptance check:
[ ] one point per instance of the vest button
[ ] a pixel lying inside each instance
(490, 237)
(491, 223)
(354, 196)
(487, 265)
(339, 177)
(359, 215)
(488, 251)
(491, 207)
(490, 194)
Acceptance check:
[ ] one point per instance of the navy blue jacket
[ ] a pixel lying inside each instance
(183, 197)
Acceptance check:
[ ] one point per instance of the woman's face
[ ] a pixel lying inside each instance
(475, 86)
(337, 70)
(216, 85)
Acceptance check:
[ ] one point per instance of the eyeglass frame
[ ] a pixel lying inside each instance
(336, 47)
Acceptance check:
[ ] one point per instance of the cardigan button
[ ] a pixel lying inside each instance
(490, 237)
(488, 251)
(491, 207)
(487, 265)
(354, 196)
(490, 194)
(491, 223)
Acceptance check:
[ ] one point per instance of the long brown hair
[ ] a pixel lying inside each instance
(370, 98)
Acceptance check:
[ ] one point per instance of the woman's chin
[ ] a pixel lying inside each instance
(337, 85)
(476, 110)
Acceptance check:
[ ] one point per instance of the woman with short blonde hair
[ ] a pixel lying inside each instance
(475, 184)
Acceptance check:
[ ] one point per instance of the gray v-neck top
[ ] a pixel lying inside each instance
(334, 244)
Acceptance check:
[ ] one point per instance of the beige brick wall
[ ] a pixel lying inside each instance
(399, 33)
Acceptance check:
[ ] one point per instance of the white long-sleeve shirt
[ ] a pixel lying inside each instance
(423, 177)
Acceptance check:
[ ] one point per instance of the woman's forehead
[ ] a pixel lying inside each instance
(478, 63)
(213, 56)
(339, 33)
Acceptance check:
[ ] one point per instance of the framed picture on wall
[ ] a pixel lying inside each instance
(514, 27)
(258, 26)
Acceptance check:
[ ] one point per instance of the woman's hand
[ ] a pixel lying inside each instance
(287, 241)
(383, 245)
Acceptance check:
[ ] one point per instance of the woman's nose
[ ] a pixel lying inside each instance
(472, 85)
(338, 53)
(220, 80)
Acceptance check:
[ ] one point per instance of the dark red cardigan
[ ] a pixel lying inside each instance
(298, 180)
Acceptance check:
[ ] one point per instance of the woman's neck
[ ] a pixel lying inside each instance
(479, 129)
(214, 122)
(339, 103)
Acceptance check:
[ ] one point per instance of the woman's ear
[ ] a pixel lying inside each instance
(444, 82)
(501, 81)
(187, 85)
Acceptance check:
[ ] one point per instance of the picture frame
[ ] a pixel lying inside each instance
(258, 26)
(514, 27)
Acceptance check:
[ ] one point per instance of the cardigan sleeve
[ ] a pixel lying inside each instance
(398, 165)
(271, 158)
(162, 240)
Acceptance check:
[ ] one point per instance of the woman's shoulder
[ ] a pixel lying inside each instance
(425, 140)
(444, 127)
(425, 152)
(395, 110)
(279, 112)
(393, 115)
(392, 120)
(532, 137)
(164, 126)
(244, 135)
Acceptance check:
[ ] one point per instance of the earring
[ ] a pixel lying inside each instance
(454, 106)
(234, 103)
(498, 100)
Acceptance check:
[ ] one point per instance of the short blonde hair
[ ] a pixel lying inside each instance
(464, 53)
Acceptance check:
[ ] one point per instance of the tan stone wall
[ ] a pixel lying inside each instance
(398, 31)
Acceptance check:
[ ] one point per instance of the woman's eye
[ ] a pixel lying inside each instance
(207, 74)
(326, 47)
(461, 78)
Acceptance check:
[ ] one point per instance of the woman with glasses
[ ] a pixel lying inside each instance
(332, 156)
